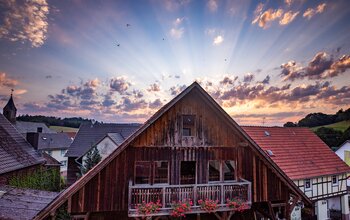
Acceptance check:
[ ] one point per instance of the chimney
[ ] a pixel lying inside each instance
(33, 139)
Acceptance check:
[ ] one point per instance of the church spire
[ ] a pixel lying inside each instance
(10, 110)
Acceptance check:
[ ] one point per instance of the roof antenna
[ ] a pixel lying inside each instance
(263, 122)
(12, 91)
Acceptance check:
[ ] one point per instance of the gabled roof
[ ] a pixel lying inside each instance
(49, 141)
(15, 151)
(299, 152)
(89, 134)
(95, 170)
(26, 127)
(23, 204)
(10, 104)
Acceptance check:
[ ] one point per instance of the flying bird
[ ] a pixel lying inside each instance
(128, 25)
(118, 45)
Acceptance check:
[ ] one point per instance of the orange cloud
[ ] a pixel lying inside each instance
(310, 12)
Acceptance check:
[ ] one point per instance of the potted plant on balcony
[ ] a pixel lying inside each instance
(237, 204)
(180, 208)
(208, 205)
(148, 208)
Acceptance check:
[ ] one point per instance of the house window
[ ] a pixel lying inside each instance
(142, 172)
(307, 184)
(188, 172)
(335, 180)
(63, 152)
(214, 170)
(188, 125)
(49, 152)
(161, 173)
(228, 170)
(63, 163)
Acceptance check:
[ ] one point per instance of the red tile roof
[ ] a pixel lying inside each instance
(297, 151)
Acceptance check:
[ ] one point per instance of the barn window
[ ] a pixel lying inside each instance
(161, 173)
(214, 170)
(307, 184)
(228, 170)
(142, 172)
(334, 180)
(188, 172)
(188, 125)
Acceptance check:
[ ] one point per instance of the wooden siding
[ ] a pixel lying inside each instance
(214, 139)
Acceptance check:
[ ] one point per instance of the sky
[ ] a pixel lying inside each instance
(264, 62)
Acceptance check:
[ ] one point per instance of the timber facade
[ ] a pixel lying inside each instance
(190, 149)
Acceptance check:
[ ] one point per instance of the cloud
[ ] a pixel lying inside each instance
(6, 81)
(129, 104)
(322, 66)
(288, 17)
(248, 78)
(338, 67)
(119, 84)
(155, 87)
(321, 62)
(310, 12)
(266, 80)
(25, 21)
(175, 90)
(108, 100)
(228, 80)
(212, 5)
(156, 104)
(291, 71)
(178, 21)
(218, 40)
(177, 33)
(263, 19)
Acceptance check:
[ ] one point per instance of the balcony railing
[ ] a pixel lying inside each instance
(167, 194)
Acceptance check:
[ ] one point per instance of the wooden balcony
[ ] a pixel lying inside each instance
(167, 194)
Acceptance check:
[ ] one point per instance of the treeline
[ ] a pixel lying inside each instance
(55, 121)
(319, 119)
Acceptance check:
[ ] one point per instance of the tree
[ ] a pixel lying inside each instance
(290, 124)
(329, 135)
(92, 158)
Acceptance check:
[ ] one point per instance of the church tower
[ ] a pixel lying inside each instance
(10, 110)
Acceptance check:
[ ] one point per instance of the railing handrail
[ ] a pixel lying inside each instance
(161, 186)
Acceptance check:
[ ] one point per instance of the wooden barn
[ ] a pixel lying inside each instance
(191, 149)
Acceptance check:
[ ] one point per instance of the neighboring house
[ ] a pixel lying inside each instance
(23, 127)
(344, 153)
(309, 162)
(106, 145)
(88, 136)
(17, 156)
(54, 144)
(190, 149)
(23, 204)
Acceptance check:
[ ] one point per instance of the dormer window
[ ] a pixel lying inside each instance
(188, 125)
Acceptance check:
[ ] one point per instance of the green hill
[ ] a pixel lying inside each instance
(63, 129)
(340, 126)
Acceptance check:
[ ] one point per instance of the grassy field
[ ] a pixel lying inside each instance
(63, 129)
(340, 126)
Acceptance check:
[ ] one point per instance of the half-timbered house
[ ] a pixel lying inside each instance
(310, 163)
(191, 149)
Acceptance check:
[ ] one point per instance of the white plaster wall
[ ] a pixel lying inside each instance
(341, 154)
(106, 147)
(60, 158)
